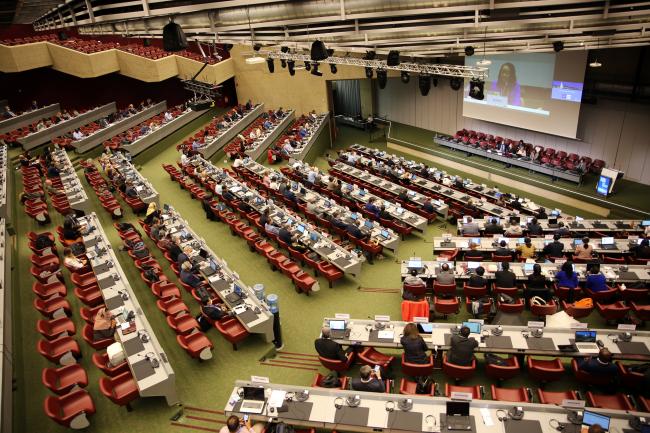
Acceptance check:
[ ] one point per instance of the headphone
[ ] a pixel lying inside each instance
(338, 402)
(558, 425)
(390, 406)
(502, 415)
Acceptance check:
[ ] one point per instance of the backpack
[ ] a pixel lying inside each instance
(330, 381)
(506, 299)
(584, 303)
(491, 358)
(151, 275)
(43, 241)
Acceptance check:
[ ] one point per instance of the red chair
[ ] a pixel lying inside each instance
(370, 356)
(554, 397)
(409, 387)
(476, 391)
(172, 306)
(613, 312)
(62, 351)
(197, 345)
(510, 291)
(101, 361)
(411, 309)
(165, 290)
(121, 390)
(303, 282)
(543, 310)
(618, 401)
(633, 294)
(515, 308)
(644, 403)
(88, 335)
(576, 312)
(444, 289)
(458, 372)
(318, 381)
(603, 296)
(88, 314)
(518, 395)
(587, 378)
(183, 324)
(642, 312)
(49, 290)
(417, 370)
(629, 378)
(474, 292)
(53, 307)
(70, 410)
(55, 328)
(91, 295)
(545, 370)
(338, 365)
(232, 330)
(49, 262)
(63, 379)
(446, 306)
(330, 272)
(418, 290)
(503, 372)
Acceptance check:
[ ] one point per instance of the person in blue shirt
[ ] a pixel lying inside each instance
(189, 277)
(372, 207)
(567, 278)
(595, 280)
(427, 206)
(600, 365)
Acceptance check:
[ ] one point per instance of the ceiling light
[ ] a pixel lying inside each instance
(393, 58)
(318, 51)
(291, 64)
(558, 46)
(284, 49)
(370, 55)
(455, 83)
(484, 62)
(271, 65)
(382, 78)
(595, 64)
(257, 47)
(368, 72)
(424, 82)
(307, 66)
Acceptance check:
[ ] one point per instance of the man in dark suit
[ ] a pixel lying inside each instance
(505, 277)
(285, 235)
(600, 365)
(493, 228)
(383, 214)
(354, 229)
(503, 250)
(369, 380)
(330, 349)
(462, 348)
(534, 228)
(477, 279)
(555, 248)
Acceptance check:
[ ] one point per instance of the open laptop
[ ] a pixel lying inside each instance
(474, 327)
(608, 243)
(253, 400)
(338, 329)
(585, 342)
(458, 415)
(590, 418)
(425, 328)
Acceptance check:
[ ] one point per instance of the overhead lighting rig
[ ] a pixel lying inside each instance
(417, 68)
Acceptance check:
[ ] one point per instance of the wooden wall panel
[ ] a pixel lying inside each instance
(20, 58)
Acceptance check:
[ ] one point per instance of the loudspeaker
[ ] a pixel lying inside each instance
(318, 51)
(469, 50)
(173, 37)
(455, 83)
(393, 58)
(424, 82)
(200, 106)
(558, 46)
(382, 78)
(63, 36)
(271, 65)
(476, 89)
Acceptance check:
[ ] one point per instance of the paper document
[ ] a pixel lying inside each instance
(386, 335)
(277, 398)
(487, 418)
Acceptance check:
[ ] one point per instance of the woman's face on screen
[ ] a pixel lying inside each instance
(506, 73)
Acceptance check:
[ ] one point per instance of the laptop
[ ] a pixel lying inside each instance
(590, 418)
(474, 327)
(385, 234)
(458, 415)
(552, 223)
(528, 268)
(235, 297)
(253, 400)
(338, 329)
(585, 342)
(414, 263)
(425, 328)
(607, 243)
(645, 223)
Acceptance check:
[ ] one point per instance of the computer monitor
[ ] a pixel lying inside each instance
(337, 325)
(607, 241)
(411, 193)
(425, 328)
(368, 224)
(528, 267)
(555, 213)
(413, 177)
(585, 336)
(552, 220)
(362, 192)
(473, 265)
(301, 228)
(354, 216)
(489, 219)
(399, 210)
(498, 194)
(385, 234)
(415, 263)
(578, 219)
(645, 223)
(458, 408)
(466, 219)
(521, 241)
(474, 327)
(576, 242)
(289, 221)
(214, 265)
(294, 185)
(590, 418)
(237, 289)
(476, 241)
(313, 236)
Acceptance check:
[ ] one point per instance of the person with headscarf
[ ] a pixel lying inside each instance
(152, 213)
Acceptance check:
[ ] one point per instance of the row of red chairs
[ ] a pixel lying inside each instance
(344, 236)
(560, 159)
(235, 146)
(71, 404)
(35, 206)
(15, 134)
(132, 134)
(103, 192)
(29, 39)
(292, 133)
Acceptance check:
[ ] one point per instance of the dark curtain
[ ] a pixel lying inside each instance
(347, 98)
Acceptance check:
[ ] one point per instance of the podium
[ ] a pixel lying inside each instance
(607, 180)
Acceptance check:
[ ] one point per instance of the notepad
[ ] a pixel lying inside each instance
(387, 335)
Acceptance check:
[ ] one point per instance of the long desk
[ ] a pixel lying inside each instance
(209, 149)
(389, 239)
(571, 176)
(146, 192)
(154, 137)
(320, 411)
(439, 206)
(263, 143)
(489, 244)
(256, 317)
(6, 330)
(321, 123)
(513, 340)
(323, 246)
(91, 141)
(462, 271)
(435, 184)
(41, 137)
(75, 192)
(28, 118)
(583, 227)
(114, 285)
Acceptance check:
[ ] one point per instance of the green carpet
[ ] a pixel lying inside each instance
(207, 385)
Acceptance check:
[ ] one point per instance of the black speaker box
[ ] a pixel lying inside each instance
(173, 37)
(393, 58)
(318, 51)
(200, 106)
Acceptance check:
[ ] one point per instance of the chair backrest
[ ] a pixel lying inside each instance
(411, 309)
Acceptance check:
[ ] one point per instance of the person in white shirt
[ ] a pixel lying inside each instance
(184, 159)
(235, 425)
(274, 185)
(71, 262)
(218, 188)
(512, 229)
(77, 134)
(238, 162)
(286, 147)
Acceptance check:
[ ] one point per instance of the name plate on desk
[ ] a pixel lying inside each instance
(260, 379)
(342, 316)
(535, 324)
(574, 404)
(421, 319)
(626, 327)
(466, 396)
(380, 318)
(579, 325)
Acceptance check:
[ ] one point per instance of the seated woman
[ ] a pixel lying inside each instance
(415, 349)
(536, 285)
(567, 278)
(104, 325)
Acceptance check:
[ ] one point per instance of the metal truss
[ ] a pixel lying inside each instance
(429, 68)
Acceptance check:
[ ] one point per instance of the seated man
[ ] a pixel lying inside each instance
(493, 228)
(477, 279)
(473, 254)
(461, 351)
(412, 279)
(446, 275)
(188, 277)
(427, 206)
(369, 380)
(534, 228)
(505, 277)
(555, 248)
(329, 349)
(212, 311)
(503, 250)
(470, 227)
(372, 207)
(600, 365)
